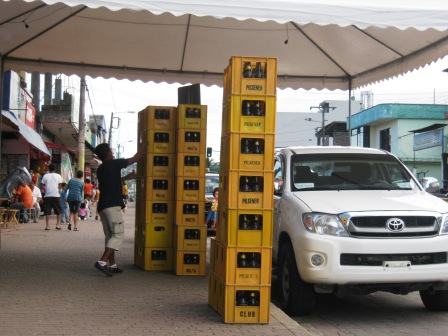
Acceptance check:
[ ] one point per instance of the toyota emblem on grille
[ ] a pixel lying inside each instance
(395, 224)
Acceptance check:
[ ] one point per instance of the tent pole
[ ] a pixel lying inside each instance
(350, 111)
(2, 70)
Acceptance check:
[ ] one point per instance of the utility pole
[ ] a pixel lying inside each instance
(323, 107)
(82, 125)
(110, 129)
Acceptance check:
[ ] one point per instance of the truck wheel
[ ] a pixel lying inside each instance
(435, 300)
(297, 298)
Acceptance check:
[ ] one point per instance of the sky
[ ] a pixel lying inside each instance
(428, 85)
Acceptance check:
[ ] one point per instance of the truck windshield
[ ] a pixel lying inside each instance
(348, 171)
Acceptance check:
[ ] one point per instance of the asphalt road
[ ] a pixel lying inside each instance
(375, 314)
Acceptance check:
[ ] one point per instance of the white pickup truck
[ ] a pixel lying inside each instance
(355, 220)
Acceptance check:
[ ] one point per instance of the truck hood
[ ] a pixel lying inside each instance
(370, 200)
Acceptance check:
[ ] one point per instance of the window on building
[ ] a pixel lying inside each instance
(385, 139)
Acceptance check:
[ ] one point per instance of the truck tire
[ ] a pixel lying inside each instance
(297, 298)
(435, 300)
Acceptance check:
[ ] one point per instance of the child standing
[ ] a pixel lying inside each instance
(82, 212)
(213, 213)
(65, 217)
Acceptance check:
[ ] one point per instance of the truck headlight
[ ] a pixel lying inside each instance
(324, 224)
(444, 227)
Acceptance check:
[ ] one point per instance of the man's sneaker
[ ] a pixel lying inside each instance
(115, 270)
(103, 269)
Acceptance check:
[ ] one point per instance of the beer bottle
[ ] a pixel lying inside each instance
(245, 109)
(194, 210)
(257, 223)
(188, 112)
(155, 208)
(258, 72)
(253, 301)
(244, 223)
(257, 109)
(256, 186)
(242, 260)
(247, 73)
(257, 147)
(187, 185)
(186, 209)
(245, 146)
(254, 260)
(244, 184)
(241, 298)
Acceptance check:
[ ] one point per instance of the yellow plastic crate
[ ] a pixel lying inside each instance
(256, 310)
(157, 188)
(191, 141)
(157, 235)
(190, 263)
(158, 118)
(162, 117)
(190, 165)
(160, 141)
(192, 116)
(190, 188)
(249, 227)
(236, 83)
(156, 212)
(213, 254)
(190, 238)
(241, 114)
(246, 151)
(158, 165)
(154, 259)
(190, 213)
(244, 265)
(213, 290)
(234, 194)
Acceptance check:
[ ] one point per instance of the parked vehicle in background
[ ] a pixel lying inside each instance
(355, 220)
(211, 182)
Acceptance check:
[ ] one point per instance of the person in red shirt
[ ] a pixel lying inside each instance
(25, 201)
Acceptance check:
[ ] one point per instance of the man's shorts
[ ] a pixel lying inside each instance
(52, 203)
(113, 226)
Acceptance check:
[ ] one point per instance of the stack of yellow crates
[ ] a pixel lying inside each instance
(190, 233)
(155, 194)
(241, 254)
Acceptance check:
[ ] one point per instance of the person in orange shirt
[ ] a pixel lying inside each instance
(25, 201)
(88, 186)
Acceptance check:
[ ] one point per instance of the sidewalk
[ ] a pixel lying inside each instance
(48, 286)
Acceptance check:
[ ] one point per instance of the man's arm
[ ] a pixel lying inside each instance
(141, 149)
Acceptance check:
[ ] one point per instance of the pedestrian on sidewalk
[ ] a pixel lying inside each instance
(52, 200)
(75, 188)
(65, 217)
(37, 197)
(111, 203)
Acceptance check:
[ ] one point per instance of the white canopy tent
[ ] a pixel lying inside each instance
(319, 44)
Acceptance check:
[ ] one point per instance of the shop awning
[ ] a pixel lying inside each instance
(59, 147)
(27, 132)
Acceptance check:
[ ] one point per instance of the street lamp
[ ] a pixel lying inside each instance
(111, 124)
(119, 146)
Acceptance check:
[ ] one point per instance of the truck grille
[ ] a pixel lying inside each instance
(348, 259)
(376, 226)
